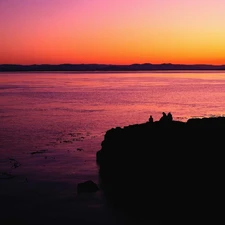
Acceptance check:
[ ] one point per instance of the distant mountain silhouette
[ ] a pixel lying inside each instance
(107, 67)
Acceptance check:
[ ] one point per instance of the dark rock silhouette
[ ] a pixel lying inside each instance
(165, 171)
(87, 187)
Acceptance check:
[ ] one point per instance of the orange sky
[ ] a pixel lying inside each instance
(112, 31)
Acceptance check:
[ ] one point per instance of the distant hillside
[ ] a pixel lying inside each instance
(107, 67)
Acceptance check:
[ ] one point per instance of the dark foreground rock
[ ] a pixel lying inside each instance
(165, 169)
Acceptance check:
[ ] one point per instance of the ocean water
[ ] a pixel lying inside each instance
(52, 124)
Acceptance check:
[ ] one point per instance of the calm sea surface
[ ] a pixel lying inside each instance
(52, 124)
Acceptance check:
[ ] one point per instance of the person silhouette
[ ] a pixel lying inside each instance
(164, 117)
(150, 119)
(169, 117)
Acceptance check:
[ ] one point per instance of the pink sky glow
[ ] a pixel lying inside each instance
(112, 31)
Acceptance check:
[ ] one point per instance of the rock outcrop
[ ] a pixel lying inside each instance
(164, 169)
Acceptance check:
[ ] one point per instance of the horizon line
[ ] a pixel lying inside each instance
(113, 64)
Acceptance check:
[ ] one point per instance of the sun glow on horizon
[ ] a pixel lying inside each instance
(112, 32)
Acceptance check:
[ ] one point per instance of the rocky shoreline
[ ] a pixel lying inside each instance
(164, 169)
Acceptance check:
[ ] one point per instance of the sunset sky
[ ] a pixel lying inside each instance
(112, 31)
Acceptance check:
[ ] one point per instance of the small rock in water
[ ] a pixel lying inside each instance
(87, 187)
(39, 152)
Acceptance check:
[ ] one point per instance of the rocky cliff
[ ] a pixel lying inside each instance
(164, 169)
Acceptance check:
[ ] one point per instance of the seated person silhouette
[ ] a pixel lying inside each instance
(163, 118)
(166, 118)
(169, 117)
